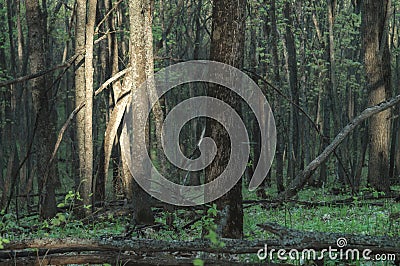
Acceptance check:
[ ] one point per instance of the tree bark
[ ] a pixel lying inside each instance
(227, 46)
(80, 40)
(294, 142)
(394, 173)
(141, 59)
(288, 239)
(280, 144)
(45, 137)
(86, 186)
(113, 258)
(329, 91)
(378, 77)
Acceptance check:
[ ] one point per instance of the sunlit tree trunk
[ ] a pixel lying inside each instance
(80, 87)
(141, 59)
(86, 186)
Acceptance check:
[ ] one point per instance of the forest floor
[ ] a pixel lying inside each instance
(370, 213)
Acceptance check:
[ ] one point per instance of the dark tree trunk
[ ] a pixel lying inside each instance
(280, 144)
(227, 46)
(44, 137)
(378, 77)
(394, 173)
(294, 151)
(329, 92)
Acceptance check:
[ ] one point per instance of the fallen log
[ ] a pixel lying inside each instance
(232, 246)
(115, 258)
(359, 200)
(288, 239)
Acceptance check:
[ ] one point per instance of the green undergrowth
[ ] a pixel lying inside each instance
(370, 217)
(369, 214)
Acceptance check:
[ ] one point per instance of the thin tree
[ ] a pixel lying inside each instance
(80, 42)
(279, 108)
(87, 177)
(294, 138)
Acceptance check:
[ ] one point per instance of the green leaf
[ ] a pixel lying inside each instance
(198, 262)
(212, 236)
(213, 210)
(61, 217)
(70, 195)
(55, 222)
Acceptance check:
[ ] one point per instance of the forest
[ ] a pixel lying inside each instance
(199, 132)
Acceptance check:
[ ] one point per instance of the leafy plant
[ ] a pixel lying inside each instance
(3, 241)
(208, 223)
(198, 262)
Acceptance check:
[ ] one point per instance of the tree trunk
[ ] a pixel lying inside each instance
(280, 145)
(86, 187)
(44, 137)
(397, 156)
(395, 143)
(330, 91)
(80, 82)
(294, 154)
(141, 45)
(378, 76)
(227, 46)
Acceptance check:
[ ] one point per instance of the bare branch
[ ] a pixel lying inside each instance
(67, 64)
(301, 179)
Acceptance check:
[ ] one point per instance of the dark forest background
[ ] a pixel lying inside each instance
(326, 67)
